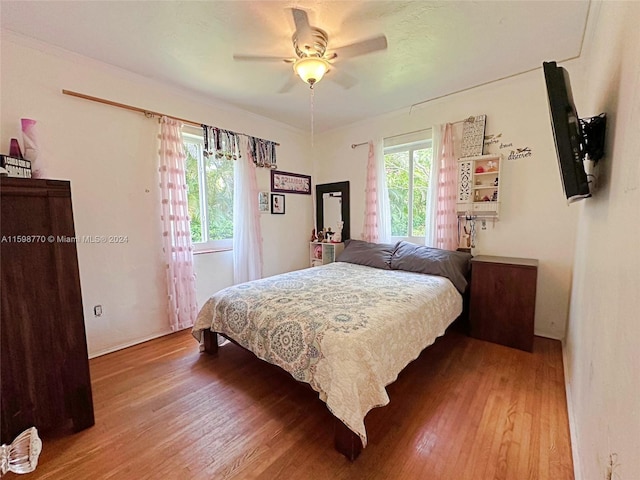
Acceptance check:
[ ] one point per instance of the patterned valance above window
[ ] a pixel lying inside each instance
(226, 144)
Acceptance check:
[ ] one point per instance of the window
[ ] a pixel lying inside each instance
(408, 169)
(210, 196)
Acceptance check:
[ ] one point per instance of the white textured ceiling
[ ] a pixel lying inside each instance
(434, 48)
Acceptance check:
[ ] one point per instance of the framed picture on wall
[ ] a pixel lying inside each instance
(277, 203)
(285, 182)
(263, 202)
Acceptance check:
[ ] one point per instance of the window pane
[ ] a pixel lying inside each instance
(193, 151)
(219, 197)
(421, 171)
(397, 170)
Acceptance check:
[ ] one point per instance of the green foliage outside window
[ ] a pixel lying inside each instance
(213, 179)
(408, 185)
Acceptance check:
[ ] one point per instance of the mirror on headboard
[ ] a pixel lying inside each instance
(332, 206)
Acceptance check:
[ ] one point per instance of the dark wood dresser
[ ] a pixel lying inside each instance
(45, 368)
(503, 300)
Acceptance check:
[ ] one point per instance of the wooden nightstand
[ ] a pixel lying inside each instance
(503, 300)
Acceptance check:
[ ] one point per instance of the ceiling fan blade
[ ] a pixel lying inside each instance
(303, 29)
(259, 58)
(343, 79)
(293, 80)
(361, 48)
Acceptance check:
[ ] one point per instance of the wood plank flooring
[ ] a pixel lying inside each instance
(465, 409)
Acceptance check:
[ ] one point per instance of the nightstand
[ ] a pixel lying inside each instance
(321, 253)
(503, 300)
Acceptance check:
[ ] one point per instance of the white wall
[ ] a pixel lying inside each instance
(110, 156)
(535, 221)
(602, 354)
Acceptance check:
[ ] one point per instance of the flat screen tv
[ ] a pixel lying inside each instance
(566, 132)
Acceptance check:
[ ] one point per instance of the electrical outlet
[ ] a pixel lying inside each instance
(97, 311)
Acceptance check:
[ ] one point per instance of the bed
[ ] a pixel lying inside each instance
(346, 329)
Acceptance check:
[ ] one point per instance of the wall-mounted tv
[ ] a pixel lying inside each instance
(566, 132)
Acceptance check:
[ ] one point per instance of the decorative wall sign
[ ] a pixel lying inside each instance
(290, 182)
(518, 153)
(473, 136)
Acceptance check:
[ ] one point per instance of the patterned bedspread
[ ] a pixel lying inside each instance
(347, 330)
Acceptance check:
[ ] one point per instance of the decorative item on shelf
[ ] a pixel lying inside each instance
(486, 198)
(321, 236)
(337, 238)
(14, 149)
(328, 234)
(314, 237)
(21, 456)
(492, 166)
(479, 169)
(30, 143)
(495, 182)
(494, 197)
(317, 252)
(476, 197)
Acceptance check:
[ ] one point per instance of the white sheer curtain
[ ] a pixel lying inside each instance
(430, 238)
(377, 214)
(446, 218)
(247, 234)
(176, 231)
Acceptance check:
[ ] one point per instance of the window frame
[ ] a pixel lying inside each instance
(206, 245)
(411, 147)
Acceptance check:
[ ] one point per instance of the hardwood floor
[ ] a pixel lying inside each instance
(465, 409)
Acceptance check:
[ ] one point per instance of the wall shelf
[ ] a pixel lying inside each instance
(476, 196)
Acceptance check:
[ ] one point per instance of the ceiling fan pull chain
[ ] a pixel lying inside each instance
(312, 106)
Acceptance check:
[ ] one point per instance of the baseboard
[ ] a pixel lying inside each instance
(577, 465)
(128, 344)
(548, 335)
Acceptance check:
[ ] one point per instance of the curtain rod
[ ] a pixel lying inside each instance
(146, 113)
(468, 119)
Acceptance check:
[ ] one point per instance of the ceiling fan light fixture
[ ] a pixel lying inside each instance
(311, 69)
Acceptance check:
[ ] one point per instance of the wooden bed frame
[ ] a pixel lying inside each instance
(346, 441)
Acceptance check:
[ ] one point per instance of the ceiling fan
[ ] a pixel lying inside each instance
(312, 61)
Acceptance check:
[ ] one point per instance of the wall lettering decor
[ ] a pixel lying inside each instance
(518, 153)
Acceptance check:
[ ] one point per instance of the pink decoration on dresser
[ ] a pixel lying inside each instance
(176, 229)
(446, 219)
(31, 150)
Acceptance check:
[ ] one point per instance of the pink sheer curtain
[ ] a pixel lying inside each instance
(176, 232)
(370, 229)
(446, 218)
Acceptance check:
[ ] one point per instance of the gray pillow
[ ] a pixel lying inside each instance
(434, 261)
(377, 255)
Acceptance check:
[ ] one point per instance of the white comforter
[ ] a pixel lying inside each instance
(346, 330)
